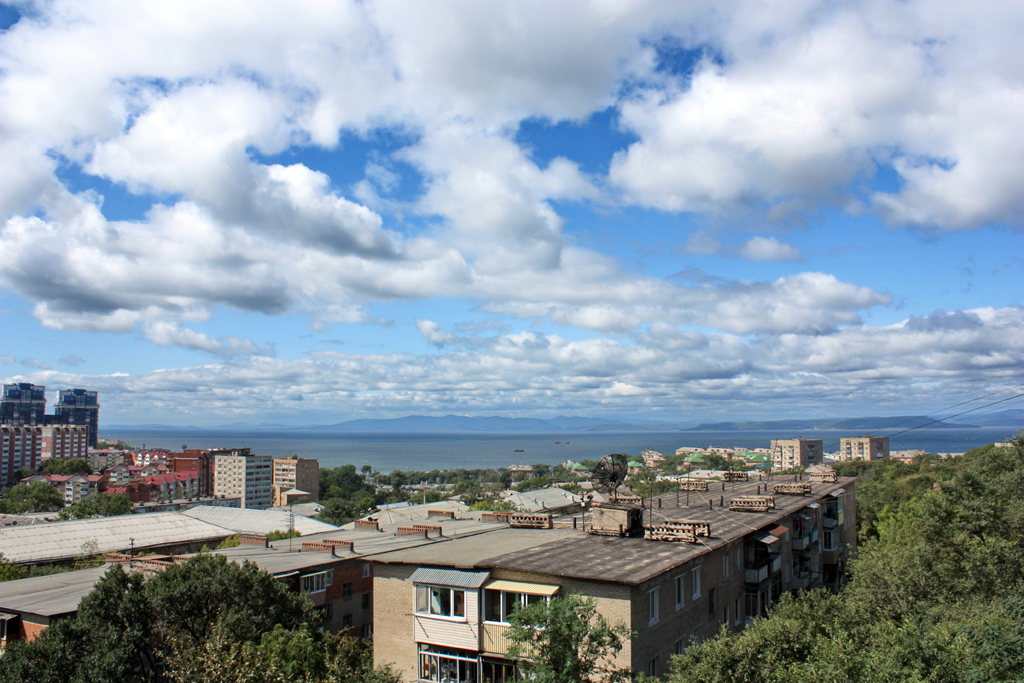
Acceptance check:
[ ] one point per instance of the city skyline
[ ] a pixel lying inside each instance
(308, 213)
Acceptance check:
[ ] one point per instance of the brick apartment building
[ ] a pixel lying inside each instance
(440, 611)
(30, 446)
(294, 472)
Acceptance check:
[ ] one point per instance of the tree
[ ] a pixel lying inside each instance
(566, 641)
(37, 496)
(66, 466)
(99, 505)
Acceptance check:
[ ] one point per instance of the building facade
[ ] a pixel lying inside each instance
(200, 462)
(864, 448)
(240, 474)
(789, 453)
(65, 441)
(441, 610)
(21, 447)
(22, 405)
(294, 472)
(79, 407)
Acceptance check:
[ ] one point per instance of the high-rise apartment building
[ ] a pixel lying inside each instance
(294, 472)
(239, 473)
(79, 407)
(788, 453)
(864, 448)
(64, 441)
(200, 462)
(22, 405)
(19, 447)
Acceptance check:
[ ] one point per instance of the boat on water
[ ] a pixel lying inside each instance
(563, 443)
(518, 450)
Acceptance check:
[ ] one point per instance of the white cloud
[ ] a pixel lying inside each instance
(768, 249)
(173, 334)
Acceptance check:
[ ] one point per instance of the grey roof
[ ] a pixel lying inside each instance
(59, 541)
(304, 509)
(570, 553)
(450, 577)
(552, 498)
(51, 595)
(257, 521)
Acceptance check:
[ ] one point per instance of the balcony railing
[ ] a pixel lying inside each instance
(494, 638)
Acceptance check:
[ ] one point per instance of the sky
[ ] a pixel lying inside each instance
(310, 212)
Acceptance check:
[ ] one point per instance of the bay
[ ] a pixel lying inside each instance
(386, 452)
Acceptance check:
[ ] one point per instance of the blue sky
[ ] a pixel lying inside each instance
(312, 212)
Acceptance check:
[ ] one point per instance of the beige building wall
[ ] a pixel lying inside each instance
(788, 453)
(864, 448)
(294, 472)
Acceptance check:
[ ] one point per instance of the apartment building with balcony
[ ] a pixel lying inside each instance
(864, 448)
(240, 474)
(789, 453)
(676, 574)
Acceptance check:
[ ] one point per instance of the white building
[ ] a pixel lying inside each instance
(240, 474)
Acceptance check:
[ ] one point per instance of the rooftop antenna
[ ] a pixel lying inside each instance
(609, 472)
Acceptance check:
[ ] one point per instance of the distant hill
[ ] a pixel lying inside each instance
(873, 424)
(1004, 418)
(461, 423)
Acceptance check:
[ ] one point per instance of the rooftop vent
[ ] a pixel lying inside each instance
(679, 530)
(792, 489)
(752, 504)
(526, 521)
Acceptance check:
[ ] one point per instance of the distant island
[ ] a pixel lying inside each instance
(453, 424)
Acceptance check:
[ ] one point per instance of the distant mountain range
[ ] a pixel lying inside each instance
(494, 424)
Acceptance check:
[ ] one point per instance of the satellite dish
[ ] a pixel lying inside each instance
(609, 472)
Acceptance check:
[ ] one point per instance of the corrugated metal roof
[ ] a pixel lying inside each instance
(257, 521)
(58, 541)
(450, 577)
(522, 587)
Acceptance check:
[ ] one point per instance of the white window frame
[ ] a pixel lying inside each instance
(680, 584)
(523, 600)
(695, 578)
(654, 605)
(426, 591)
(366, 570)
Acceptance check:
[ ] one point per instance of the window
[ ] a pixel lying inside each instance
(711, 602)
(315, 583)
(346, 621)
(366, 601)
(739, 559)
(828, 539)
(695, 572)
(367, 631)
(441, 601)
(695, 636)
(725, 566)
(499, 604)
(366, 569)
(725, 615)
(346, 590)
(680, 646)
(653, 598)
(680, 591)
(736, 611)
(652, 666)
(446, 665)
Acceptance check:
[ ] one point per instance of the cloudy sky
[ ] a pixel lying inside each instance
(308, 212)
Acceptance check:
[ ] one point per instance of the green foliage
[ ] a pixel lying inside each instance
(282, 535)
(99, 505)
(566, 641)
(230, 542)
(66, 466)
(936, 594)
(301, 656)
(38, 496)
(206, 619)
